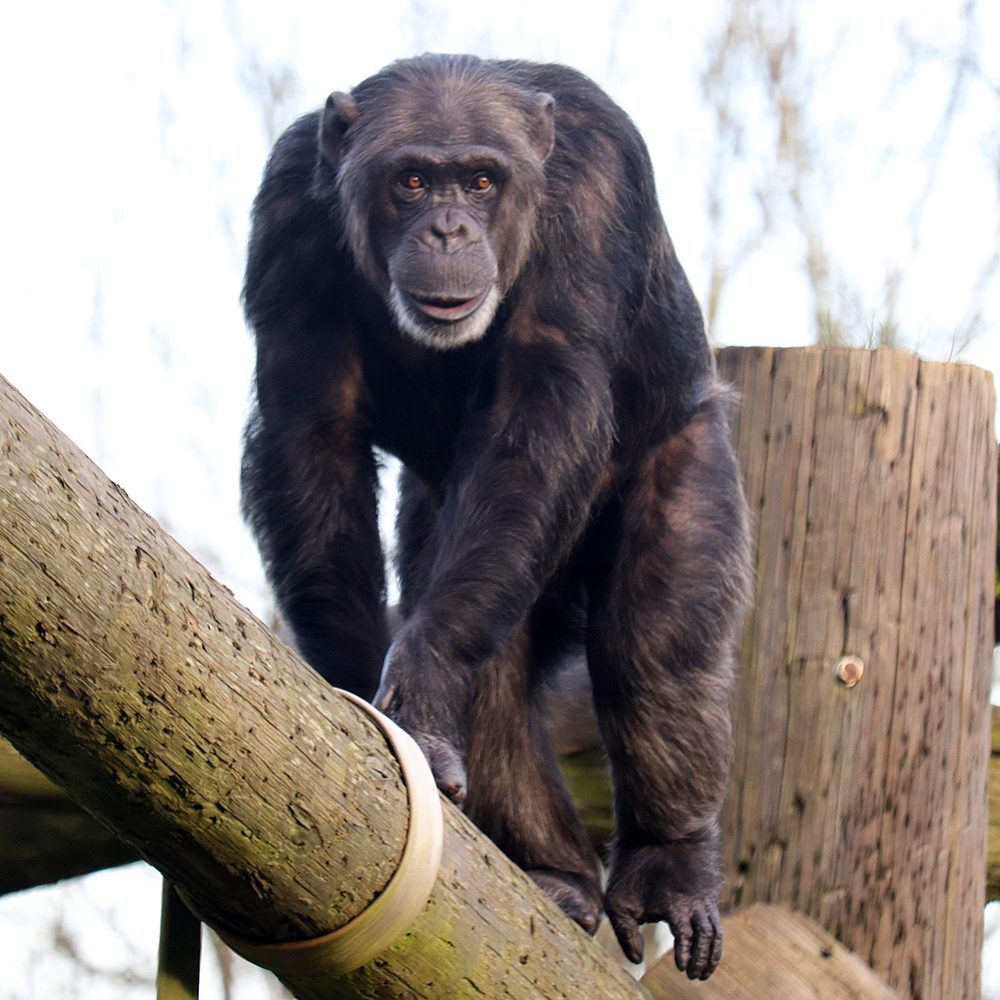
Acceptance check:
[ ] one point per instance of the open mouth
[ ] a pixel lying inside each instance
(448, 308)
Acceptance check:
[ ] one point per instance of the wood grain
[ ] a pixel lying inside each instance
(872, 476)
(136, 682)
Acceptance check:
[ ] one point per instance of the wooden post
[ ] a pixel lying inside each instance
(178, 967)
(859, 788)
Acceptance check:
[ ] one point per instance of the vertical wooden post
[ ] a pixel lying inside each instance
(178, 967)
(872, 477)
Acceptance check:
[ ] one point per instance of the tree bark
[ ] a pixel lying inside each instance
(873, 480)
(138, 684)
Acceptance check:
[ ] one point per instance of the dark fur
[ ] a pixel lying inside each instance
(568, 476)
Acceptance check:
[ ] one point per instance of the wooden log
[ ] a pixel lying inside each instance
(45, 837)
(873, 480)
(772, 952)
(133, 680)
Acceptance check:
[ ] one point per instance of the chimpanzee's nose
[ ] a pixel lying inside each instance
(449, 224)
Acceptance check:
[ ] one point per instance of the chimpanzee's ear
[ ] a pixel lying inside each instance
(340, 113)
(543, 132)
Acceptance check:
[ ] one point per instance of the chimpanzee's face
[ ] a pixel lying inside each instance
(435, 228)
(438, 191)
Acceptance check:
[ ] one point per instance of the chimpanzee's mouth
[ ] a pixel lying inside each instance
(448, 308)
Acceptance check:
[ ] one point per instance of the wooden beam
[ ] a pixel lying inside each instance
(45, 837)
(135, 681)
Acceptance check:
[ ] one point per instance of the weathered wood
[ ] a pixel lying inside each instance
(772, 952)
(45, 843)
(136, 682)
(873, 481)
(22, 783)
(44, 837)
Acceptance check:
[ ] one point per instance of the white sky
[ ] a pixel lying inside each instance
(132, 149)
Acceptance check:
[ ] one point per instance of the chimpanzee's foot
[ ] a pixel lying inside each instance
(678, 883)
(578, 898)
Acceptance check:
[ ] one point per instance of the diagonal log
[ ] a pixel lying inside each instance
(139, 685)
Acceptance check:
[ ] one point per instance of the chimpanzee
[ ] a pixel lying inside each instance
(462, 262)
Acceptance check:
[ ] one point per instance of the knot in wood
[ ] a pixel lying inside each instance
(849, 670)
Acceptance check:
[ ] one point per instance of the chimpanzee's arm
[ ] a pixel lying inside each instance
(518, 499)
(309, 483)
(308, 473)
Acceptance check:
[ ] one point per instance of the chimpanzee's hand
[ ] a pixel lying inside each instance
(674, 882)
(413, 693)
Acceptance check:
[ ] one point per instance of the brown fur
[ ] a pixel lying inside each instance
(530, 349)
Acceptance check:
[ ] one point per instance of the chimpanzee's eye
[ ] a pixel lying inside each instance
(481, 182)
(410, 180)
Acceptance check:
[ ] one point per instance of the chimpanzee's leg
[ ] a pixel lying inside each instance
(516, 793)
(669, 568)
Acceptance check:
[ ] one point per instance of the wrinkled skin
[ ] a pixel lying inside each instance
(463, 263)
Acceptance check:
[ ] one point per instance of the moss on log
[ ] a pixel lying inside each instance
(138, 684)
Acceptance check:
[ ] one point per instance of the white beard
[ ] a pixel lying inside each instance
(443, 335)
